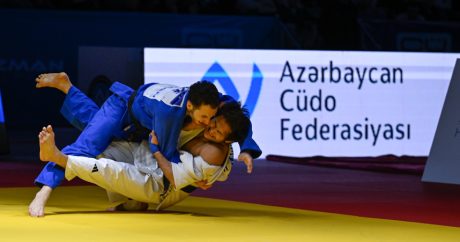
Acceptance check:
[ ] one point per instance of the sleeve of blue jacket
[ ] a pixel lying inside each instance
(248, 144)
(166, 121)
(167, 126)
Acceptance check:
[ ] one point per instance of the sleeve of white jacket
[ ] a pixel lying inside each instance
(191, 170)
(224, 171)
(223, 176)
(185, 172)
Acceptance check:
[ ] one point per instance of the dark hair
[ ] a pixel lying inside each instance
(204, 93)
(237, 118)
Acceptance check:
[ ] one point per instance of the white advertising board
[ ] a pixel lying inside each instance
(330, 103)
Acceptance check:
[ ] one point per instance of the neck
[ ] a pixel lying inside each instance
(187, 120)
(191, 126)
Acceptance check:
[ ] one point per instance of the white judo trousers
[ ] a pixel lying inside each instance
(133, 172)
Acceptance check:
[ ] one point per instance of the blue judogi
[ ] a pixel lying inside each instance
(100, 126)
(157, 107)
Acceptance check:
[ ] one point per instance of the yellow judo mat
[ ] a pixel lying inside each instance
(78, 214)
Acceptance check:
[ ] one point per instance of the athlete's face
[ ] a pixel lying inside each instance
(201, 116)
(218, 130)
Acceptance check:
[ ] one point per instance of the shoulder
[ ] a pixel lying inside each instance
(214, 154)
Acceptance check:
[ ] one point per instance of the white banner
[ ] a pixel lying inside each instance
(330, 103)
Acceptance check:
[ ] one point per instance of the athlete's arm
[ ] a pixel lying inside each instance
(214, 154)
(165, 166)
(247, 159)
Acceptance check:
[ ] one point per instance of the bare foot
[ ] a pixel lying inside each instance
(48, 149)
(47, 144)
(59, 81)
(37, 206)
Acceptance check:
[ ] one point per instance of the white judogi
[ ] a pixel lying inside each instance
(143, 181)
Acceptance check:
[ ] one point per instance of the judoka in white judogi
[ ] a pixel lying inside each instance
(139, 177)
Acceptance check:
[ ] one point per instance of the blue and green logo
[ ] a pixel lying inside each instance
(217, 73)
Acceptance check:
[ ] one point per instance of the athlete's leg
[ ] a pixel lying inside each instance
(123, 151)
(77, 108)
(105, 124)
(48, 151)
(119, 177)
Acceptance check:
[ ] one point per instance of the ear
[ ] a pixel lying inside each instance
(189, 105)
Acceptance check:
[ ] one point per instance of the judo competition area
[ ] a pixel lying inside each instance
(306, 199)
(284, 199)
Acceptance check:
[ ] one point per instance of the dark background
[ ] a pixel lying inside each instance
(39, 36)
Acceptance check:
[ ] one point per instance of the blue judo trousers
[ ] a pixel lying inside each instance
(99, 125)
(156, 107)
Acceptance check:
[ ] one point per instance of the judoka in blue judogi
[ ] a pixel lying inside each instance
(154, 106)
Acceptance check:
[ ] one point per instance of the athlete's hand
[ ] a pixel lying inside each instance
(153, 138)
(247, 159)
(202, 184)
(153, 143)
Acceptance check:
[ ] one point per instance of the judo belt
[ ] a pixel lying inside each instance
(140, 132)
(187, 189)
